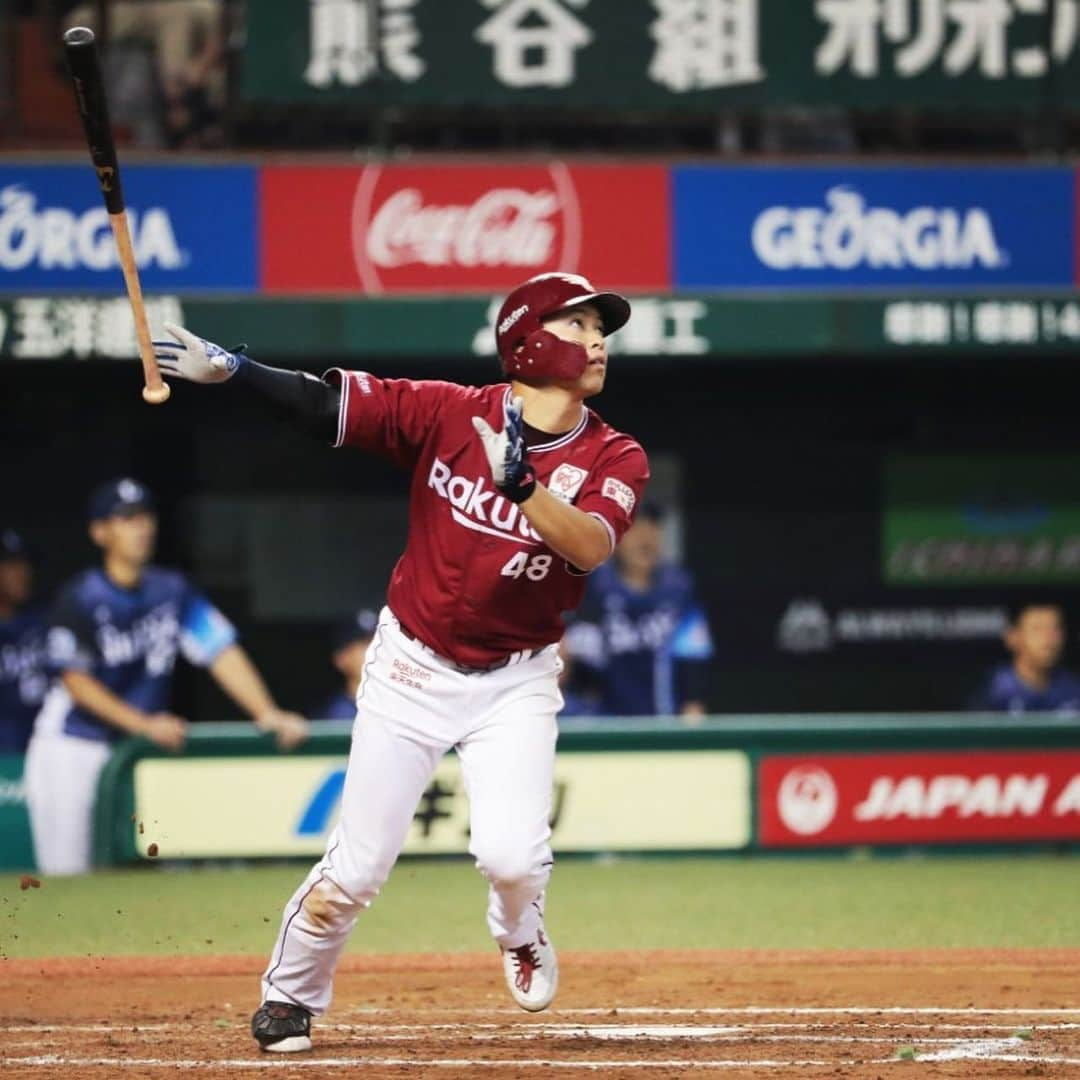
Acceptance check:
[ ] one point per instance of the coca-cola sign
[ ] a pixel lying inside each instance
(411, 226)
(462, 228)
(925, 798)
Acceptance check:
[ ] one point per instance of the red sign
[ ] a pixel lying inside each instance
(930, 798)
(462, 228)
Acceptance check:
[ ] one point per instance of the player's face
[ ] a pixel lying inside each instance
(642, 546)
(16, 581)
(129, 538)
(1038, 637)
(583, 326)
(349, 660)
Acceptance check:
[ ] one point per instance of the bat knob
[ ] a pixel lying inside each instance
(79, 36)
(156, 395)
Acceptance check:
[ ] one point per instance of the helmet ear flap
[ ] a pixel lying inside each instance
(544, 355)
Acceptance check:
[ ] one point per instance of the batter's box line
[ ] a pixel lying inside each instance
(52, 1060)
(735, 1010)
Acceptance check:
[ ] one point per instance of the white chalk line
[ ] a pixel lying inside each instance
(105, 1029)
(411, 1062)
(628, 1035)
(50, 1060)
(938, 1049)
(523, 1023)
(734, 1010)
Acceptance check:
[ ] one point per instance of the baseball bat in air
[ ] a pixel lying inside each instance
(85, 68)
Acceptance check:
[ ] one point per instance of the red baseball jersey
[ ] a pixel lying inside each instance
(476, 582)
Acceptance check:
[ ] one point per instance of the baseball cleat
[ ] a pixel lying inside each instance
(281, 1027)
(532, 972)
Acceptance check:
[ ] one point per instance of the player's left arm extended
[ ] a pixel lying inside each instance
(234, 672)
(578, 537)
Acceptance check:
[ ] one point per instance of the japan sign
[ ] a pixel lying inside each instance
(925, 798)
(461, 228)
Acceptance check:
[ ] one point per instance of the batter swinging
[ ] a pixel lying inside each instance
(517, 493)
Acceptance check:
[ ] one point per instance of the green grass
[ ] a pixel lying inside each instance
(990, 901)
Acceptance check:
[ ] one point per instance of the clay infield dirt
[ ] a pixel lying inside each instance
(769, 1014)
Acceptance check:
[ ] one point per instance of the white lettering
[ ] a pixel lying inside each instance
(849, 234)
(1068, 802)
(1024, 795)
(503, 227)
(458, 491)
(987, 796)
(477, 506)
(438, 476)
(53, 238)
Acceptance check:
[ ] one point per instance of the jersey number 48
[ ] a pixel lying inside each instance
(535, 569)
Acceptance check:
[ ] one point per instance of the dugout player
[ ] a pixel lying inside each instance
(113, 637)
(1033, 681)
(643, 638)
(351, 640)
(22, 676)
(517, 492)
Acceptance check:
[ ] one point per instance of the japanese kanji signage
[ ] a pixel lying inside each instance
(663, 53)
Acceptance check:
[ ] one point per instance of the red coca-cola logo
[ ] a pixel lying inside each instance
(476, 227)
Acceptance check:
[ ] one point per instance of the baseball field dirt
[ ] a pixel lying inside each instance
(942, 1013)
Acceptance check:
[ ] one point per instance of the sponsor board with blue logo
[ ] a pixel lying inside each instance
(193, 228)
(814, 228)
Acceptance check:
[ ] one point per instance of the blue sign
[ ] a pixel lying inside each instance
(192, 228)
(793, 228)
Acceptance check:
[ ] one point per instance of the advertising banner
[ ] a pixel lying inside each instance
(207, 808)
(461, 228)
(16, 847)
(866, 227)
(663, 54)
(1006, 520)
(191, 228)
(925, 798)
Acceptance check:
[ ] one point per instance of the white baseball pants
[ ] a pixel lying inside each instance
(61, 776)
(412, 707)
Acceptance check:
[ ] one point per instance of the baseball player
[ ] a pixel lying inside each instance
(351, 640)
(113, 638)
(642, 633)
(517, 492)
(1034, 681)
(22, 632)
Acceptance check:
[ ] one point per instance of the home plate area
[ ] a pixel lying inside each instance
(633, 1014)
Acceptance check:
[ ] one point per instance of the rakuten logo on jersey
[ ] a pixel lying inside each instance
(55, 238)
(463, 227)
(848, 232)
(477, 505)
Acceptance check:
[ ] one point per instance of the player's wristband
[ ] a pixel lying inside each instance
(517, 491)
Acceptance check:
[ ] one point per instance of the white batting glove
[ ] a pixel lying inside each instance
(194, 358)
(514, 476)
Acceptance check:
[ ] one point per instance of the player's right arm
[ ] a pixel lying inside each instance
(71, 652)
(392, 417)
(313, 404)
(164, 729)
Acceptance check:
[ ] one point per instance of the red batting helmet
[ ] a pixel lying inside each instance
(520, 323)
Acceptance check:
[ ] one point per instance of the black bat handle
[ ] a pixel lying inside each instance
(85, 68)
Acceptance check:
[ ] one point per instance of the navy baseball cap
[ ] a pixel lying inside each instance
(360, 626)
(119, 498)
(13, 546)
